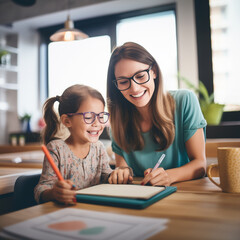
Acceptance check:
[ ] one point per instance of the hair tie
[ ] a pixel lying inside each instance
(58, 98)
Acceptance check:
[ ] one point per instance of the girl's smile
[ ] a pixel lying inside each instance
(94, 134)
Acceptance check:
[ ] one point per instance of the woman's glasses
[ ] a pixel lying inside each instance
(140, 77)
(89, 117)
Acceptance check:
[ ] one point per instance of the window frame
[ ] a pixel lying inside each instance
(94, 27)
(106, 25)
(231, 119)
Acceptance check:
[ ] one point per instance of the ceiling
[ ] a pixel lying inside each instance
(51, 12)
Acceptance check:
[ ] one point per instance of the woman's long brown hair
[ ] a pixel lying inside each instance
(69, 102)
(125, 124)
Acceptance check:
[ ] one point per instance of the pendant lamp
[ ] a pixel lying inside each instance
(25, 3)
(68, 33)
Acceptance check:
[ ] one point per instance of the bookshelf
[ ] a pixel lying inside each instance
(8, 83)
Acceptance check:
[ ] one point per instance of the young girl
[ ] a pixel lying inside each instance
(147, 122)
(81, 158)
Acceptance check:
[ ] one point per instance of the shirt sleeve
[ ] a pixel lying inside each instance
(48, 177)
(192, 115)
(115, 147)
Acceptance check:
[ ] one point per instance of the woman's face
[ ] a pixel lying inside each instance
(138, 95)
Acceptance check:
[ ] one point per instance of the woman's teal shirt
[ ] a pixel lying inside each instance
(188, 118)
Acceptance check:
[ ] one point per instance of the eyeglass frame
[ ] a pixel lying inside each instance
(132, 78)
(95, 115)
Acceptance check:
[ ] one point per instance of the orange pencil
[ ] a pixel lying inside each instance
(50, 160)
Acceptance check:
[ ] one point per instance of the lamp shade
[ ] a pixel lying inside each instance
(25, 3)
(68, 33)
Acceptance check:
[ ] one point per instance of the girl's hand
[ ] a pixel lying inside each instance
(121, 175)
(64, 192)
(157, 177)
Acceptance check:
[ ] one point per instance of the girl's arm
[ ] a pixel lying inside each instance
(62, 191)
(196, 168)
(49, 188)
(122, 173)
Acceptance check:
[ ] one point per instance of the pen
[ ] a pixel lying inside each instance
(50, 160)
(159, 162)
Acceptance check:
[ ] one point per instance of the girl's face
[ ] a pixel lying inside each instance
(81, 131)
(138, 95)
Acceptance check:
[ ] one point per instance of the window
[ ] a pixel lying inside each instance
(157, 33)
(225, 36)
(86, 61)
(79, 62)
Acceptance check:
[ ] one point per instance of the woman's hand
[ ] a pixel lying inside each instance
(121, 175)
(157, 177)
(64, 192)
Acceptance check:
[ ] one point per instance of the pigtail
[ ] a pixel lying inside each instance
(51, 119)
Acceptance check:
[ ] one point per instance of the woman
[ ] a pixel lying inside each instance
(147, 122)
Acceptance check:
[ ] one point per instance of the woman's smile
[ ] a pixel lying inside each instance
(138, 95)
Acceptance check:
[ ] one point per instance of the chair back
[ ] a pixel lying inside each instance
(23, 196)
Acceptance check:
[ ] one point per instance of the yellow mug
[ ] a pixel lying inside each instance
(229, 169)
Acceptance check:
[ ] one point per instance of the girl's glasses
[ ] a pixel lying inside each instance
(140, 77)
(89, 117)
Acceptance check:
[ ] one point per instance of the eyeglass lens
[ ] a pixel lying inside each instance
(139, 78)
(89, 117)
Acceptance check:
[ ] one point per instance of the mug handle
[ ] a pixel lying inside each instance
(209, 173)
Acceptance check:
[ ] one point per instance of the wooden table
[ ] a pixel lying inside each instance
(213, 144)
(28, 159)
(198, 210)
(25, 148)
(8, 177)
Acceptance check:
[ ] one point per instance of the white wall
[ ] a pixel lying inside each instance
(28, 73)
(187, 43)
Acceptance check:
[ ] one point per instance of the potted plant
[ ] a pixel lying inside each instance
(212, 111)
(25, 120)
(4, 57)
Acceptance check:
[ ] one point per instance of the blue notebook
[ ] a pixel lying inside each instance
(126, 202)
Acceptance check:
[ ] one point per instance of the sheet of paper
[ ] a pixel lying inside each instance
(122, 190)
(72, 223)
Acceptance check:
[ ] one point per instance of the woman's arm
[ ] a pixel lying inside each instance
(120, 161)
(196, 168)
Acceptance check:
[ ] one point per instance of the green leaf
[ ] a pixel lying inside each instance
(203, 90)
(188, 83)
(211, 98)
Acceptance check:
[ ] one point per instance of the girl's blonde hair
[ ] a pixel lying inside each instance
(69, 102)
(125, 119)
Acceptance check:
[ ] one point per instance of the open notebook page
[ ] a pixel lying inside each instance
(122, 190)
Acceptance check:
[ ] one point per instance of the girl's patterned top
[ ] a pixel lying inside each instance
(91, 170)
